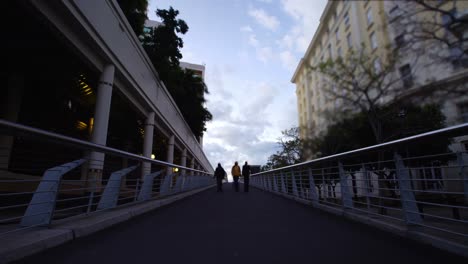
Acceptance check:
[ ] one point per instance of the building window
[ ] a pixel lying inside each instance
(339, 52)
(337, 35)
(349, 40)
(400, 40)
(406, 76)
(330, 54)
(370, 19)
(373, 39)
(346, 19)
(463, 110)
(377, 65)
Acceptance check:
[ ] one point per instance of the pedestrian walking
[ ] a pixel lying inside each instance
(246, 175)
(236, 173)
(220, 174)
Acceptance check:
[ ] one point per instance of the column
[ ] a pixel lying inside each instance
(10, 111)
(101, 122)
(170, 153)
(192, 165)
(200, 140)
(183, 161)
(148, 143)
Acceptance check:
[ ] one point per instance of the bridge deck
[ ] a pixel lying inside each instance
(229, 227)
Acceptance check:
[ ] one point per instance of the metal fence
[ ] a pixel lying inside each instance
(419, 182)
(29, 199)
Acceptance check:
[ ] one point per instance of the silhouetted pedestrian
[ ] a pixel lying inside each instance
(236, 173)
(220, 173)
(246, 175)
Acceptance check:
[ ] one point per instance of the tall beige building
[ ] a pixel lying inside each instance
(346, 25)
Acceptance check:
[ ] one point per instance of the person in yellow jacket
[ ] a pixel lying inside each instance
(236, 173)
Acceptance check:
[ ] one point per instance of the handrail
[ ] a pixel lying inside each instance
(374, 147)
(85, 145)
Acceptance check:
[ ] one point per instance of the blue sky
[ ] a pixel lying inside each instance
(250, 49)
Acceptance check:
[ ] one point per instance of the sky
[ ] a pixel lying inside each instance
(250, 49)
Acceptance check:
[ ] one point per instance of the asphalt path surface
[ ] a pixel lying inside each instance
(230, 227)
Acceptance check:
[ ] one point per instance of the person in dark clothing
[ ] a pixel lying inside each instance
(219, 174)
(246, 175)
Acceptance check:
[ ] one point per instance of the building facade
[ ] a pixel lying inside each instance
(372, 26)
(87, 77)
(378, 28)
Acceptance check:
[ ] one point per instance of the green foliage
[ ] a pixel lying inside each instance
(291, 150)
(400, 121)
(162, 45)
(135, 11)
(189, 94)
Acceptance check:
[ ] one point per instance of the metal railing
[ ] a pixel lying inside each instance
(35, 194)
(416, 182)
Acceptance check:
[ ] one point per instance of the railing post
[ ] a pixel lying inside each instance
(367, 181)
(408, 201)
(136, 189)
(146, 189)
(463, 174)
(324, 189)
(313, 191)
(166, 185)
(41, 208)
(301, 186)
(270, 183)
(345, 193)
(294, 185)
(283, 184)
(110, 196)
(90, 201)
(275, 182)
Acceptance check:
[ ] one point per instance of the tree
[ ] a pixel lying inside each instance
(354, 132)
(135, 11)
(363, 82)
(189, 93)
(440, 31)
(291, 150)
(163, 45)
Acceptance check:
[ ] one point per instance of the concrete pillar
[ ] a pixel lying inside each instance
(148, 143)
(183, 161)
(101, 123)
(170, 153)
(192, 165)
(11, 105)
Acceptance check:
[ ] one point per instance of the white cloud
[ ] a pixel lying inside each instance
(288, 60)
(236, 132)
(246, 29)
(269, 22)
(253, 41)
(264, 54)
(306, 14)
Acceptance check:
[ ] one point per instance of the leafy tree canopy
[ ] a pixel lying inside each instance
(163, 45)
(135, 11)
